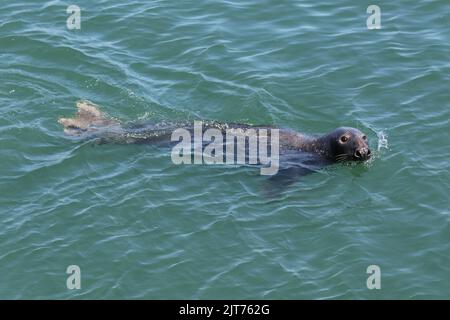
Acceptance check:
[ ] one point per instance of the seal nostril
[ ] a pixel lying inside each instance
(358, 154)
(368, 152)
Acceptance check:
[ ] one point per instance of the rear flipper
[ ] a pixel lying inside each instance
(88, 120)
(91, 123)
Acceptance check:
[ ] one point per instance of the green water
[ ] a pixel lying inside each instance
(139, 226)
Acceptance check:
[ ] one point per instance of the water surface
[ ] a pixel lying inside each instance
(140, 227)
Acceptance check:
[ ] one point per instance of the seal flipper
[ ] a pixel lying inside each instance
(294, 165)
(283, 179)
(88, 119)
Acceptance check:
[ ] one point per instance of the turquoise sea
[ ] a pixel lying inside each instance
(140, 227)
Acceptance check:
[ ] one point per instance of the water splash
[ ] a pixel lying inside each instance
(382, 140)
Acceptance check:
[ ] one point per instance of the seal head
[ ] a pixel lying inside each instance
(345, 144)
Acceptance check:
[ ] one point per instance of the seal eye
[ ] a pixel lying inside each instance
(364, 137)
(344, 139)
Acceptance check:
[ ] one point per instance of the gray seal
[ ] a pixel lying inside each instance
(300, 154)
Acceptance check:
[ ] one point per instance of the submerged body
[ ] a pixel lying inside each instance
(299, 154)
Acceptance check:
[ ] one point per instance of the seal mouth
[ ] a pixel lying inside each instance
(362, 154)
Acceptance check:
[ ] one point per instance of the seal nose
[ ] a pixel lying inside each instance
(363, 153)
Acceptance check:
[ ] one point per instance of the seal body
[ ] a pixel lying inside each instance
(300, 154)
(341, 144)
